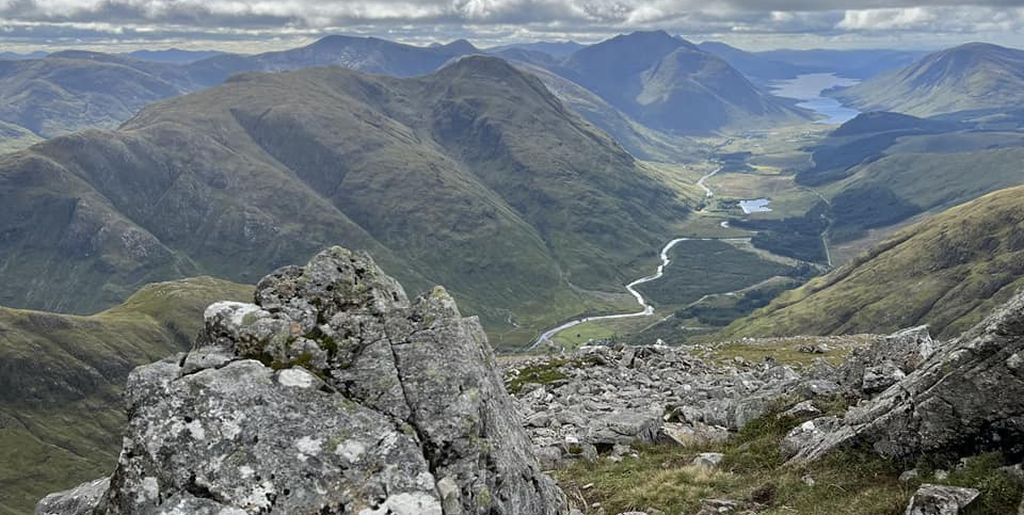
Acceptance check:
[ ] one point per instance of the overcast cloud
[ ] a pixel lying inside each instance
(263, 24)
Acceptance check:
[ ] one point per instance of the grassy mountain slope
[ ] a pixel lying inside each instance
(444, 178)
(669, 84)
(61, 378)
(968, 77)
(948, 271)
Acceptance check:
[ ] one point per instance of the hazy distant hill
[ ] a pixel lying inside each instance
(969, 77)
(752, 64)
(61, 378)
(669, 84)
(786, 64)
(948, 272)
(371, 55)
(11, 56)
(552, 48)
(173, 55)
(445, 178)
(67, 91)
(643, 142)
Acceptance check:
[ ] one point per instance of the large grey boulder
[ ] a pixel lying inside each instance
(966, 398)
(333, 393)
(940, 500)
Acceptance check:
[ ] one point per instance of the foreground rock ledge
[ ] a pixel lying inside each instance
(332, 394)
(967, 397)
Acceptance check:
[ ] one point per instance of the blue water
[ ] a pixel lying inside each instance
(807, 88)
(759, 205)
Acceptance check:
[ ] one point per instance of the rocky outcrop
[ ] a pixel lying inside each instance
(601, 397)
(966, 398)
(940, 500)
(331, 394)
(869, 371)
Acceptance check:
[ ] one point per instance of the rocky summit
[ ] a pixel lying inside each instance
(332, 393)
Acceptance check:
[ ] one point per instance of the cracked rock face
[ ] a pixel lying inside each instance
(333, 393)
(966, 398)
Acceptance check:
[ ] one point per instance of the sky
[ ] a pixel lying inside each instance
(260, 25)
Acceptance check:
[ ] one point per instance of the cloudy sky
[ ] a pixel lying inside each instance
(256, 25)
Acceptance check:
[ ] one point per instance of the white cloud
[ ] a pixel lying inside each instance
(495, 21)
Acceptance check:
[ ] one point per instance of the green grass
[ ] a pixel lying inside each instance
(849, 482)
(787, 351)
(545, 373)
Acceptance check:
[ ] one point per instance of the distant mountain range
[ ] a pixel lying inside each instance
(657, 81)
(971, 77)
(445, 178)
(173, 55)
(948, 272)
(557, 49)
(669, 84)
(71, 90)
(787, 64)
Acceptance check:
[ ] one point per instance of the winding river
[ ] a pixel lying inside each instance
(646, 308)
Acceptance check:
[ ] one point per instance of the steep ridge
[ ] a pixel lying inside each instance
(670, 84)
(61, 378)
(948, 272)
(445, 178)
(969, 77)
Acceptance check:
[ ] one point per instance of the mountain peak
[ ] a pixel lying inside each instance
(460, 46)
(977, 46)
(482, 64)
(655, 37)
(335, 40)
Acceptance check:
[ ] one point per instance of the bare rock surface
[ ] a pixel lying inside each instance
(965, 398)
(940, 500)
(333, 393)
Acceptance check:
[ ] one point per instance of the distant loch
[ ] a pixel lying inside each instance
(808, 89)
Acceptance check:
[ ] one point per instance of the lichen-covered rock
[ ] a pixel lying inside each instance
(966, 398)
(940, 500)
(332, 394)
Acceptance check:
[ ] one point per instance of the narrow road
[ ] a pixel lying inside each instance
(828, 227)
(646, 309)
(707, 191)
